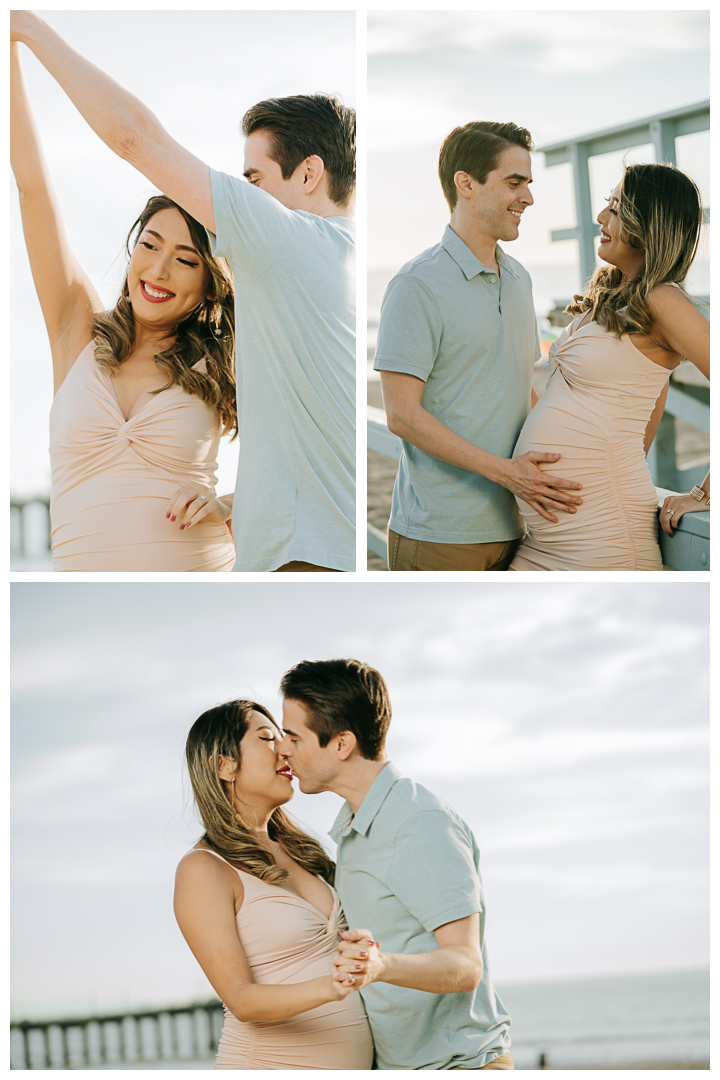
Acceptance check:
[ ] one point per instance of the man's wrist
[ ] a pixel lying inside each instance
(497, 470)
(384, 971)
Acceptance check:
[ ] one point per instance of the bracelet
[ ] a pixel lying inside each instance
(700, 496)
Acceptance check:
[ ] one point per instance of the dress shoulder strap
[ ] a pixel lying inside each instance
(242, 873)
(210, 852)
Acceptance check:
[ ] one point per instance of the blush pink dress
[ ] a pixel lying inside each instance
(599, 398)
(287, 940)
(112, 478)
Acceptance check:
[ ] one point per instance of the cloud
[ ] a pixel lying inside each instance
(548, 718)
(558, 40)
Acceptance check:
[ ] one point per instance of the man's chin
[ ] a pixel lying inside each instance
(308, 787)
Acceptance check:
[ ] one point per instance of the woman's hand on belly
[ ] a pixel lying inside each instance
(542, 491)
(193, 503)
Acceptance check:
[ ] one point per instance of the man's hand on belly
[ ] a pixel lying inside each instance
(544, 492)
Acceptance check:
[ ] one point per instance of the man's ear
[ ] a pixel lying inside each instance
(463, 184)
(345, 743)
(313, 170)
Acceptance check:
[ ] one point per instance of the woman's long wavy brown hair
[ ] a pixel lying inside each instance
(208, 332)
(220, 731)
(660, 211)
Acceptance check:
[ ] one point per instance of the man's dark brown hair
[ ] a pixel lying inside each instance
(309, 124)
(475, 148)
(342, 695)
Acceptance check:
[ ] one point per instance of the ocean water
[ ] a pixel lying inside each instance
(611, 1020)
(592, 1022)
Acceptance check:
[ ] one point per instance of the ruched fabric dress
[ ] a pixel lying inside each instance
(594, 412)
(287, 940)
(112, 478)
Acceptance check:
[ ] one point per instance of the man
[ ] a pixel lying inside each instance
(408, 867)
(456, 347)
(289, 237)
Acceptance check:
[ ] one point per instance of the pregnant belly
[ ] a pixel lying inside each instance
(121, 527)
(619, 500)
(334, 1036)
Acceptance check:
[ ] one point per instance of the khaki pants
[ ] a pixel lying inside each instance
(298, 567)
(502, 1062)
(406, 554)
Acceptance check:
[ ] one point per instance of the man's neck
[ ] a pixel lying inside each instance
(323, 207)
(476, 238)
(357, 781)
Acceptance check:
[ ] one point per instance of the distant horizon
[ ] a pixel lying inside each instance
(166, 1003)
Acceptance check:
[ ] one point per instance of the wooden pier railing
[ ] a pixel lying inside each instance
(189, 1033)
(21, 512)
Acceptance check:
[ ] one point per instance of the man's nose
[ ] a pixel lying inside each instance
(284, 747)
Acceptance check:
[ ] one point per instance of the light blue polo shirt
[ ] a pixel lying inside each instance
(295, 365)
(407, 864)
(472, 338)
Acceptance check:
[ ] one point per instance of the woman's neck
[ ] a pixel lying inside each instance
(153, 337)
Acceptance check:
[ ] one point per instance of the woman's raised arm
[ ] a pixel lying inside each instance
(67, 297)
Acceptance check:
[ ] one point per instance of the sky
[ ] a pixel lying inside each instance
(552, 720)
(199, 71)
(558, 73)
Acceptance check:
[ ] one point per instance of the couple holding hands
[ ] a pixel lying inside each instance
(266, 912)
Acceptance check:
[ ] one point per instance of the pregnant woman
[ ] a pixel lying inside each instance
(609, 377)
(142, 392)
(255, 903)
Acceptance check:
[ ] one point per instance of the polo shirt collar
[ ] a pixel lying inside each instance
(469, 263)
(370, 806)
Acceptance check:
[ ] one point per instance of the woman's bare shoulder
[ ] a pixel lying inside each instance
(200, 860)
(669, 298)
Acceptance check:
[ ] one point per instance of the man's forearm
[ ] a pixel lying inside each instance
(120, 119)
(453, 970)
(422, 429)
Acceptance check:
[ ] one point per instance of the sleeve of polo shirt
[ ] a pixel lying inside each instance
(538, 350)
(252, 226)
(433, 873)
(410, 328)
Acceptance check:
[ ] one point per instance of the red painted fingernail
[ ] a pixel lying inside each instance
(174, 518)
(168, 514)
(363, 955)
(358, 967)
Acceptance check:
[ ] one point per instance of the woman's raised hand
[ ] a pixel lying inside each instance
(21, 23)
(193, 503)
